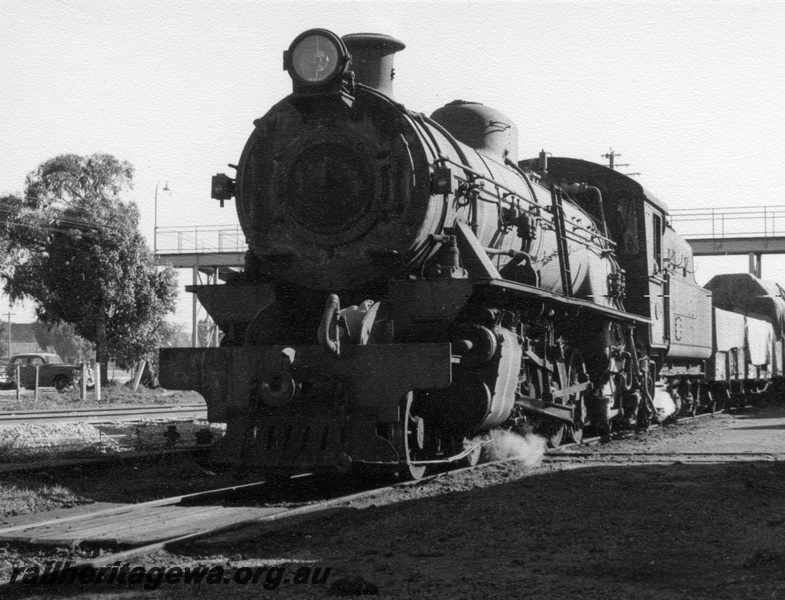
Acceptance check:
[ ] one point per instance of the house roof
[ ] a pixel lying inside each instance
(21, 333)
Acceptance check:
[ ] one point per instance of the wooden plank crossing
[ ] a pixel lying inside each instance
(129, 527)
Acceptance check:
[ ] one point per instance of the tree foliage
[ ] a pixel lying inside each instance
(74, 249)
(10, 229)
(174, 335)
(64, 341)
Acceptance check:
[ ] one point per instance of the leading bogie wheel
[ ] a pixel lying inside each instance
(409, 435)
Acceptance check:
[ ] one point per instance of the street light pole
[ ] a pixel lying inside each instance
(155, 217)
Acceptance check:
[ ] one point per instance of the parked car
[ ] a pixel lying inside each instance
(52, 371)
(4, 381)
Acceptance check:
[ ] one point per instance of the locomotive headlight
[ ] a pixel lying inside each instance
(317, 58)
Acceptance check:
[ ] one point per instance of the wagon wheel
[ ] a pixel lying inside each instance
(61, 383)
(693, 411)
(409, 440)
(724, 400)
(761, 386)
(712, 402)
(576, 373)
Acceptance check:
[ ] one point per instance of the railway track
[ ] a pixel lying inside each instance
(592, 441)
(572, 453)
(662, 457)
(225, 522)
(130, 528)
(103, 415)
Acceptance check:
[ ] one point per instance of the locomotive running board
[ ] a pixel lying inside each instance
(528, 290)
(484, 273)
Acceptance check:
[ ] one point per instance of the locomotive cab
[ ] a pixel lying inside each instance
(658, 266)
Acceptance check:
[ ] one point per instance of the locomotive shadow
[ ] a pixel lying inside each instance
(637, 531)
(679, 526)
(771, 410)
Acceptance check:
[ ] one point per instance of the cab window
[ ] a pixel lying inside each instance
(656, 236)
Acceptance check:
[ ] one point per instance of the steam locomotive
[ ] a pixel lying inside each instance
(411, 285)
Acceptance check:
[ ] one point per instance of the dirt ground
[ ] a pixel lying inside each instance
(613, 530)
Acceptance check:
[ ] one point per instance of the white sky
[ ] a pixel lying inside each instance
(691, 94)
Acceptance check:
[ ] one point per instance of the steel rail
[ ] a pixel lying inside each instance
(98, 414)
(597, 439)
(673, 453)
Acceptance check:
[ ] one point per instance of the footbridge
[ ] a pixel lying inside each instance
(212, 252)
(750, 230)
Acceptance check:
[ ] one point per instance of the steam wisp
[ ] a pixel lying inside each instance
(529, 448)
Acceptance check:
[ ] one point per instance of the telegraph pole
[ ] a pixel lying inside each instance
(611, 156)
(10, 314)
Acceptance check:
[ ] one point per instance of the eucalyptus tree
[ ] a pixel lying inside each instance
(73, 248)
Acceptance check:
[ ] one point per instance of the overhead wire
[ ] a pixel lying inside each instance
(60, 224)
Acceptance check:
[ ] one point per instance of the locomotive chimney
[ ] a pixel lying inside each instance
(372, 59)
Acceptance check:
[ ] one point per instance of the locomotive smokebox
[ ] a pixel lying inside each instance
(373, 55)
